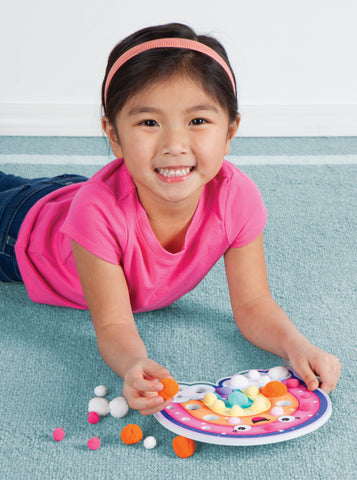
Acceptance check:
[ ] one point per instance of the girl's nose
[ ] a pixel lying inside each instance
(174, 142)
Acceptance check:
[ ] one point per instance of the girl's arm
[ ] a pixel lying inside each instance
(266, 325)
(106, 293)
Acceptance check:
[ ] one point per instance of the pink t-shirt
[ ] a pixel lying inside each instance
(105, 217)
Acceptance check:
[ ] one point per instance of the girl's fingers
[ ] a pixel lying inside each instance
(141, 385)
(156, 409)
(330, 373)
(303, 369)
(154, 370)
(327, 368)
(145, 376)
(327, 386)
(145, 403)
(148, 404)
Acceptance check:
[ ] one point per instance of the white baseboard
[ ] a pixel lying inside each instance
(57, 120)
(76, 120)
(298, 121)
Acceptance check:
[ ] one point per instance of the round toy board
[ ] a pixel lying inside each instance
(253, 407)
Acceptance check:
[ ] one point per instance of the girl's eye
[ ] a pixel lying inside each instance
(149, 123)
(198, 121)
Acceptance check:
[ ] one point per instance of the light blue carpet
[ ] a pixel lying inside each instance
(49, 364)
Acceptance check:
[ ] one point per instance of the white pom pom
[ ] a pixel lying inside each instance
(99, 405)
(118, 407)
(253, 375)
(150, 442)
(264, 379)
(100, 391)
(239, 381)
(278, 373)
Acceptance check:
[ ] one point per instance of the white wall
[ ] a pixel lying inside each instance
(295, 61)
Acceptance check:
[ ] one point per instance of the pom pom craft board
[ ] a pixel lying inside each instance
(253, 407)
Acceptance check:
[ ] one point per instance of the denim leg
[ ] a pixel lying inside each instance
(9, 181)
(17, 196)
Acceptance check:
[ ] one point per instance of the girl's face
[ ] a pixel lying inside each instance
(173, 138)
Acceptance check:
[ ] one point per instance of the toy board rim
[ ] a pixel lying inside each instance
(316, 422)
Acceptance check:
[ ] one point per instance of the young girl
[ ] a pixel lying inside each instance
(146, 228)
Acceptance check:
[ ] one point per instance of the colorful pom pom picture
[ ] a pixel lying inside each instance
(253, 407)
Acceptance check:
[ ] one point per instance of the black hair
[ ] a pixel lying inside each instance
(159, 64)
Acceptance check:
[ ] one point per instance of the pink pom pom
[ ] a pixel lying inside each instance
(292, 383)
(58, 434)
(93, 443)
(93, 417)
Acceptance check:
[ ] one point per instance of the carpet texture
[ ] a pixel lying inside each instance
(49, 363)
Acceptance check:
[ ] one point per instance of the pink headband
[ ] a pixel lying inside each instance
(167, 43)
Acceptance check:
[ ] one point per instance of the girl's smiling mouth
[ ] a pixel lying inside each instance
(174, 174)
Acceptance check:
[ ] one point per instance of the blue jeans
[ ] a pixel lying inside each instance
(17, 196)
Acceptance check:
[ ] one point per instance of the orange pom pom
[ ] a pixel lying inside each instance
(274, 389)
(130, 434)
(183, 447)
(170, 388)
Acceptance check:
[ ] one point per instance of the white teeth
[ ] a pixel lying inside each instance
(174, 172)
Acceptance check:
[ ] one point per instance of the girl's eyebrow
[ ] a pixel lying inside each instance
(146, 109)
(143, 109)
(206, 107)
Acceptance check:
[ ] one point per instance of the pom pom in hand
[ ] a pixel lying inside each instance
(170, 388)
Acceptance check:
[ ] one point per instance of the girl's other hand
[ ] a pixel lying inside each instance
(313, 363)
(142, 384)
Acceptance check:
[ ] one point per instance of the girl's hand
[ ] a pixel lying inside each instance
(142, 384)
(312, 362)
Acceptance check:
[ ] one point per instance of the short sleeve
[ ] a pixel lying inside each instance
(246, 214)
(95, 223)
